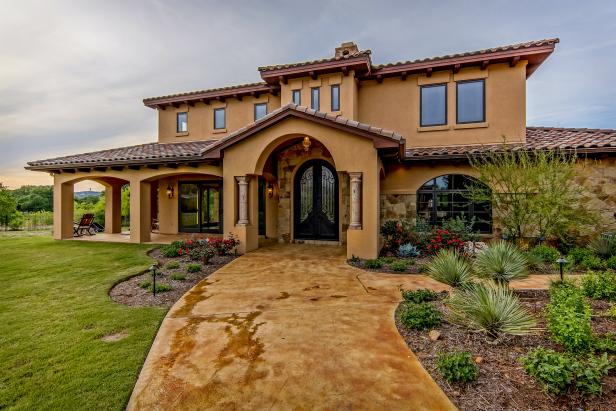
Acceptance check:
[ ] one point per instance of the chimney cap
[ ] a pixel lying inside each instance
(346, 49)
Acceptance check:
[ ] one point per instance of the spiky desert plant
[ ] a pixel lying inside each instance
(450, 268)
(604, 246)
(501, 262)
(490, 308)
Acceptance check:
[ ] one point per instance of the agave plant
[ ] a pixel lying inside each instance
(501, 262)
(450, 268)
(491, 308)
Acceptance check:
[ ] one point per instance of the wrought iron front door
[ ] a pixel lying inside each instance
(316, 202)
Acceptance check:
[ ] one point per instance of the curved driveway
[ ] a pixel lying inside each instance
(287, 327)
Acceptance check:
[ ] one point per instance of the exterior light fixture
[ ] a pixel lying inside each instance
(561, 262)
(169, 191)
(306, 143)
(270, 190)
(153, 268)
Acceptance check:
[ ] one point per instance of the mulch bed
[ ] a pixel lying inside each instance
(130, 293)
(415, 266)
(502, 383)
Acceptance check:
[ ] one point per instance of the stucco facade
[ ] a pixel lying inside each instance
(330, 174)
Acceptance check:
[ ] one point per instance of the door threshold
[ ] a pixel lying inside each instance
(318, 242)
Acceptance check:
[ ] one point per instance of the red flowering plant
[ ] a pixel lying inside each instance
(442, 238)
(395, 233)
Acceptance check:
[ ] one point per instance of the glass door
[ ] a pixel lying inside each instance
(200, 207)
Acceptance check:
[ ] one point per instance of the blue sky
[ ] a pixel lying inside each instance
(73, 74)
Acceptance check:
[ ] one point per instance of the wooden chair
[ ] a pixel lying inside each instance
(84, 226)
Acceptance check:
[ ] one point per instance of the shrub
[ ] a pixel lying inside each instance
(178, 277)
(492, 308)
(408, 250)
(449, 267)
(146, 284)
(462, 228)
(600, 285)
(577, 254)
(399, 266)
(457, 367)
(420, 316)
(172, 265)
(193, 268)
(373, 264)
(171, 250)
(444, 239)
(605, 343)
(611, 262)
(551, 369)
(591, 262)
(203, 251)
(396, 233)
(546, 253)
(501, 262)
(533, 261)
(387, 260)
(568, 318)
(161, 288)
(604, 246)
(612, 312)
(556, 371)
(355, 259)
(419, 296)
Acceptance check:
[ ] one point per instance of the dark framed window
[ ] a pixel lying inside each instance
(470, 101)
(296, 96)
(200, 207)
(336, 97)
(219, 118)
(447, 196)
(433, 105)
(315, 98)
(182, 122)
(260, 110)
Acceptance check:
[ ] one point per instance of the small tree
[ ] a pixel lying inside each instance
(8, 205)
(532, 193)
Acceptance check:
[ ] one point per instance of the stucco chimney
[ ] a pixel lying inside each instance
(346, 49)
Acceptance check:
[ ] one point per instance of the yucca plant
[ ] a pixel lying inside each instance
(604, 246)
(501, 262)
(490, 308)
(450, 268)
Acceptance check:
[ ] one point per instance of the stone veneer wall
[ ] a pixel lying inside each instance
(288, 160)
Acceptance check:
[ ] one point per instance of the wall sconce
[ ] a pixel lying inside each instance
(270, 190)
(169, 191)
(306, 143)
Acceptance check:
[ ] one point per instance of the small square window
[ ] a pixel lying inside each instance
(336, 97)
(315, 98)
(219, 118)
(433, 111)
(182, 122)
(297, 97)
(260, 110)
(470, 102)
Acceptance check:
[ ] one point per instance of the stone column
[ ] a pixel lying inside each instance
(355, 201)
(242, 183)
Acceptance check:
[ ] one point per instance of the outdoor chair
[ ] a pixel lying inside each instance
(84, 226)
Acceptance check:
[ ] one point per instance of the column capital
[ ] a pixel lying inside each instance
(355, 176)
(242, 179)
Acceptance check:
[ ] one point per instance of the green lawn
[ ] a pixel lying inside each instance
(54, 309)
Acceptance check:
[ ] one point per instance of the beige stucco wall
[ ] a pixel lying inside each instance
(394, 104)
(201, 118)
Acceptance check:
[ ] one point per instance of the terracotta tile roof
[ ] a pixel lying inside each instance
(332, 119)
(582, 140)
(212, 92)
(140, 154)
(517, 46)
(308, 63)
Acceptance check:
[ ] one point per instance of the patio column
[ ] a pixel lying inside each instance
(242, 183)
(355, 178)
(140, 212)
(62, 210)
(113, 208)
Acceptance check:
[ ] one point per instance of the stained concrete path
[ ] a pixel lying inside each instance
(289, 327)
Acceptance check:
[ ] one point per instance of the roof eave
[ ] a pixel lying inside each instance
(360, 64)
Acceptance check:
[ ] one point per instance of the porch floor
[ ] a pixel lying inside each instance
(155, 238)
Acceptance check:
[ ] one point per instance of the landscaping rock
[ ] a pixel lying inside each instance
(478, 360)
(434, 335)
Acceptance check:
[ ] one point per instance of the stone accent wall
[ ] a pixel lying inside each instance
(288, 160)
(398, 207)
(598, 177)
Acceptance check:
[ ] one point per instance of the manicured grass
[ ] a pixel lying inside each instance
(54, 309)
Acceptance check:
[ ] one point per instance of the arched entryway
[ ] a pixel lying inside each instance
(316, 201)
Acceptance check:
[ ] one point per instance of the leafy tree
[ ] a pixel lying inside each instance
(532, 193)
(8, 205)
(34, 198)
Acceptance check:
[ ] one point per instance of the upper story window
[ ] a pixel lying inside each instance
(433, 105)
(470, 101)
(182, 122)
(219, 118)
(315, 98)
(336, 97)
(296, 96)
(260, 110)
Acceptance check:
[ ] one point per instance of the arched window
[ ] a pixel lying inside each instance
(446, 197)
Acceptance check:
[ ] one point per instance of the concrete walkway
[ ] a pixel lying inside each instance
(289, 327)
